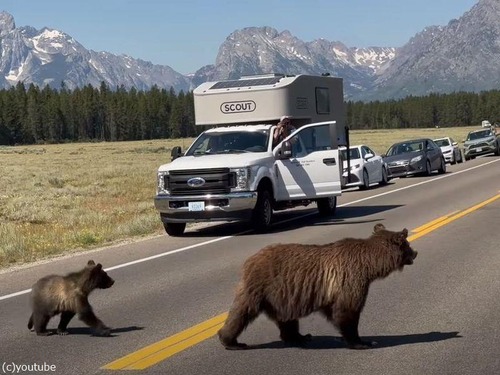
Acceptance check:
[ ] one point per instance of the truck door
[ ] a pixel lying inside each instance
(313, 169)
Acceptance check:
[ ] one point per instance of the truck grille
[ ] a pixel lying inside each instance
(216, 181)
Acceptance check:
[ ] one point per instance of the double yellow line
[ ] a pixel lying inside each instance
(161, 350)
(442, 221)
(157, 352)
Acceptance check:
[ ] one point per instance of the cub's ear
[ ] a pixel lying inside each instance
(400, 237)
(378, 227)
(91, 263)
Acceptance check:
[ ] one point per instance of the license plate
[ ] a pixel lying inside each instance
(196, 206)
(479, 149)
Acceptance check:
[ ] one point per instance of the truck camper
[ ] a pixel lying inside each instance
(232, 172)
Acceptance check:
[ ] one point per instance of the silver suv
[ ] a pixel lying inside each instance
(481, 142)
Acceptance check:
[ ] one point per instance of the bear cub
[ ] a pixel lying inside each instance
(290, 281)
(68, 295)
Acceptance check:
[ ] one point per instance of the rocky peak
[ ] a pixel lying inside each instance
(7, 23)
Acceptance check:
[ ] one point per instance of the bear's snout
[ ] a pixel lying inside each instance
(412, 257)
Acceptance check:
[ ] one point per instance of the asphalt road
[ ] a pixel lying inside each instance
(439, 316)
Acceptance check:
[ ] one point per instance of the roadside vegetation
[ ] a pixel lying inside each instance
(56, 199)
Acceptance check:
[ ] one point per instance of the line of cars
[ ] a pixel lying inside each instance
(421, 156)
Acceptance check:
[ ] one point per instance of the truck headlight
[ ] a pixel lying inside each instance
(242, 178)
(162, 179)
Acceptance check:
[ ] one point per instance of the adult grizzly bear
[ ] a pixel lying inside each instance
(291, 281)
(68, 295)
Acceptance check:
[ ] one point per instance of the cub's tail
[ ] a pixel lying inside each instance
(30, 322)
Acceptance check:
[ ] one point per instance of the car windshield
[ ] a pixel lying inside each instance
(442, 142)
(405, 147)
(353, 154)
(478, 135)
(234, 142)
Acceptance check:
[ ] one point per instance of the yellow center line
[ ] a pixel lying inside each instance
(165, 348)
(161, 350)
(433, 222)
(426, 229)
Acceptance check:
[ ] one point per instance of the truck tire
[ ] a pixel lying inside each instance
(174, 229)
(263, 212)
(327, 206)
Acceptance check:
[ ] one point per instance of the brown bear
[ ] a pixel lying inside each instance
(291, 281)
(68, 295)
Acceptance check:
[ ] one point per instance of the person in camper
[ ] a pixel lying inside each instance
(283, 130)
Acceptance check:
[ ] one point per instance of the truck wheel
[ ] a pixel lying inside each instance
(174, 229)
(327, 206)
(263, 211)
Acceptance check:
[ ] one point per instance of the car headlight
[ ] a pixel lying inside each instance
(162, 186)
(491, 141)
(416, 159)
(242, 178)
(446, 151)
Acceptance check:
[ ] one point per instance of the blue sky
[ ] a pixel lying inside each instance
(186, 34)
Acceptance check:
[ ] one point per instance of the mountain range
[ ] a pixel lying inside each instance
(464, 55)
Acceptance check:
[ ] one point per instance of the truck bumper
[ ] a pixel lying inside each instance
(190, 209)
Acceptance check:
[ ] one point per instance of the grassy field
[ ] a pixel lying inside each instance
(56, 199)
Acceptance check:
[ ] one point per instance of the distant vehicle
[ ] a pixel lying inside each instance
(485, 124)
(450, 149)
(417, 156)
(366, 167)
(481, 142)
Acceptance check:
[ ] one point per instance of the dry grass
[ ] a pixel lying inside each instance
(60, 198)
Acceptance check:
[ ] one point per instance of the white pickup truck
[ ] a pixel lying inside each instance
(231, 172)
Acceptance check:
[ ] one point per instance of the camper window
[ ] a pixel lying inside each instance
(322, 101)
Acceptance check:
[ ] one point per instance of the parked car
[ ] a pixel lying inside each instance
(366, 167)
(481, 142)
(450, 149)
(417, 156)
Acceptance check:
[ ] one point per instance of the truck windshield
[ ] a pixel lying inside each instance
(230, 142)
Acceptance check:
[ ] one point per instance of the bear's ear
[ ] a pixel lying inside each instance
(91, 263)
(97, 268)
(400, 237)
(378, 227)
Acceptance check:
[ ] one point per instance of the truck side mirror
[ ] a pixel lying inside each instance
(285, 150)
(176, 152)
